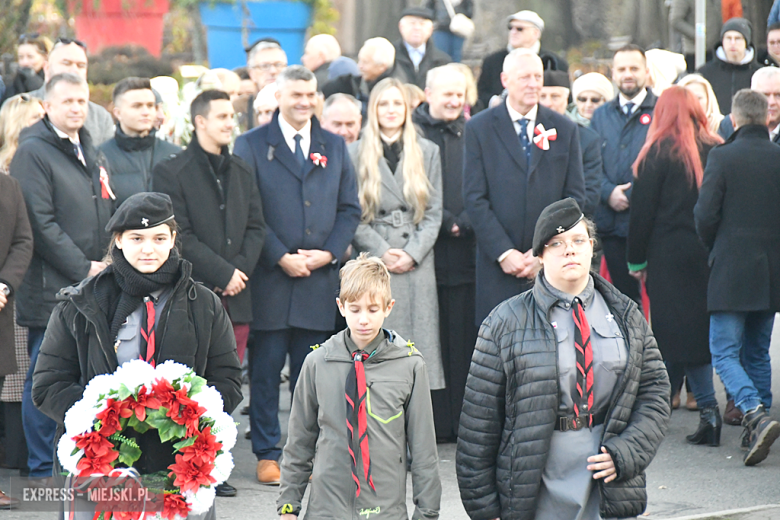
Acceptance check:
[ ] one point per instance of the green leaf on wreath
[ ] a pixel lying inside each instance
(158, 419)
(128, 454)
(140, 427)
(173, 431)
(124, 392)
(197, 385)
(186, 442)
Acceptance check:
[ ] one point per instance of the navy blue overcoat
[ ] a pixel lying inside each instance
(311, 208)
(504, 197)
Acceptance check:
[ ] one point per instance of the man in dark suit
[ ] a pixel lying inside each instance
(520, 157)
(415, 53)
(767, 81)
(736, 218)
(311, 208)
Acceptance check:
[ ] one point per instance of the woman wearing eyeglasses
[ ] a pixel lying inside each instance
(567, 398)
(590, 91)
(664, 249)
(31, 54)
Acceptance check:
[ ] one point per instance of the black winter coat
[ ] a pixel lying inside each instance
(355, 87)
(220, 217)
(454, 256)
(737, 218)
(193, 330)
(592, 168)
(404, 68)
(621, 140)
(68, 215)
(489, 83)
(727, 78)
(132, 160)
(511, 403)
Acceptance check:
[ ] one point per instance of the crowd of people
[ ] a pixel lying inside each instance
(480, 212)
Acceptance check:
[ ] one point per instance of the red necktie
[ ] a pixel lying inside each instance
(355, 392)
(584, 362)
(147, 331)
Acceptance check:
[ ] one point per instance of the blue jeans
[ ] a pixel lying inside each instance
(700, 379)
(267, 353)
(39, 429)
(749, 379)
(449, 43)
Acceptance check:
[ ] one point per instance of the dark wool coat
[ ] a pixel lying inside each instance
(317, 208)
(220, 218)
(728, 78)
(193, 330)
(455, 256)
(404, 68)
(67, 213)
(16, 249)
(132, 160)
(356, 87)
(592, 168)
(622, 138)
(489, 83)
(736, 218)
(504, 198)
(511, 405)
(662, 233)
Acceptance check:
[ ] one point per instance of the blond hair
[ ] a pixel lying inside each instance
(471, 83)
(416, 184)
(14, 116)
(365, 275)
(712, 111)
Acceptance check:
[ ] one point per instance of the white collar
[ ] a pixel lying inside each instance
(63, 135)
(721, 54)
(515, 116)
(536, 47)
(288, 132)
(636, 100)
(420, 49)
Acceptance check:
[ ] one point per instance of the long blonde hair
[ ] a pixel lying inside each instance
(416, 184)
(712, 111)
(14, 117)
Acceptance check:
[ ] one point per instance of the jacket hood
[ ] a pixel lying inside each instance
(394, 347)
(750, 56)
(422, 115)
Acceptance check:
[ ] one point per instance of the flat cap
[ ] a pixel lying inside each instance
(555, 219)
(556, 78)
(249, 48)
(527, 16)
(141, 211)
(419, 12)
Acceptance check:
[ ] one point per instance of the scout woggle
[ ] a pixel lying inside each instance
(543, 137)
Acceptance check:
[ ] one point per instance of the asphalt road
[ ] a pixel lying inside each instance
(683, 481)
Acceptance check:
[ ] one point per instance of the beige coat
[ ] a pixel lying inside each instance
(416, 312)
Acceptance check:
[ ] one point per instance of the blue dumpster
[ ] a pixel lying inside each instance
(225, 23)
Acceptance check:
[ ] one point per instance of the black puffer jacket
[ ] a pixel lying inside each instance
(511, 405)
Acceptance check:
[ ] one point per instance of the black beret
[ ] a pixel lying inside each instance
(419, 12)
(555, 219)
(556, 78)
(249, 48)
(141, 211)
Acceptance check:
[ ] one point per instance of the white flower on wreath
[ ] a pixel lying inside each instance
(172, 371)
(210, 399)
(65, 447)
(202, 500)
(225, 430)
(100, 385)
(80, 418)
(223, 465)
(135, 373)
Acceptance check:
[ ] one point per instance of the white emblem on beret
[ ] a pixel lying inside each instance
(145, 222)
(560, 229)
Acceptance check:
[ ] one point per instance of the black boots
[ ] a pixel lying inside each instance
(710, 425)
(761, 431)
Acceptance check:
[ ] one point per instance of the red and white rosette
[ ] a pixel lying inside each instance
(169, 398)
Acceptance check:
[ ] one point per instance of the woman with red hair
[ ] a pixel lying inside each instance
(664, 250)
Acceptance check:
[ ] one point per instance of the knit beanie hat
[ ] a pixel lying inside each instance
(594, 82)
(741, 25)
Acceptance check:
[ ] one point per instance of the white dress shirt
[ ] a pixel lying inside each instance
(289, 133)
(773, 133)
(416, 54)
(636, 100)
(76, 142)
(516, 116)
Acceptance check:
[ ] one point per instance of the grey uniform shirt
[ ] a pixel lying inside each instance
(568, 489)
(128, 339)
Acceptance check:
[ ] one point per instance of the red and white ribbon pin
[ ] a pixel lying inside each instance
(543, 137)
(105, 188)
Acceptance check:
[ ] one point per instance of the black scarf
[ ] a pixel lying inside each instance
(122, 297)
(133, 144)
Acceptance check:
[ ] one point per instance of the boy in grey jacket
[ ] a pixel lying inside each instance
(361, 399)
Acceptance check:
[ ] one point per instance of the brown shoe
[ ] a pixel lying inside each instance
(268, 472)
(676, 401)
(732, 415)
(690, 403)
(7, 502)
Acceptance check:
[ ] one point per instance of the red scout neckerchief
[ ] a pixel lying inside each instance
(147, 331)
(355, 392)
(584, 362)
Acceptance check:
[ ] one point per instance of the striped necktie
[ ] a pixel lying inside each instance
(355, 391)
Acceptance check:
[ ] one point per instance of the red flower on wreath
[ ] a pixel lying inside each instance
(164, 392)
(144, 400)
(97, 465)
(93, 444)
(204, 449)
(186, 411)
(109, 417)
(190, 476)
(174, 504)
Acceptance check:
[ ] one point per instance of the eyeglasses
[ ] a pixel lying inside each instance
(559, 247)
(25, 97)
(278, 65)
(516, 28)
(68, 41)
(594, 100)
(29, 36)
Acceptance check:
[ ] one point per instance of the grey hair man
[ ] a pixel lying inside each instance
(341, 115)
(264, 62)
(765, 80)
(71, 57)
(320, 51)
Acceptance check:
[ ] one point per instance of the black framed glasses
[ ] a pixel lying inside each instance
(516, 28)
(594, 100)
(68, 41)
